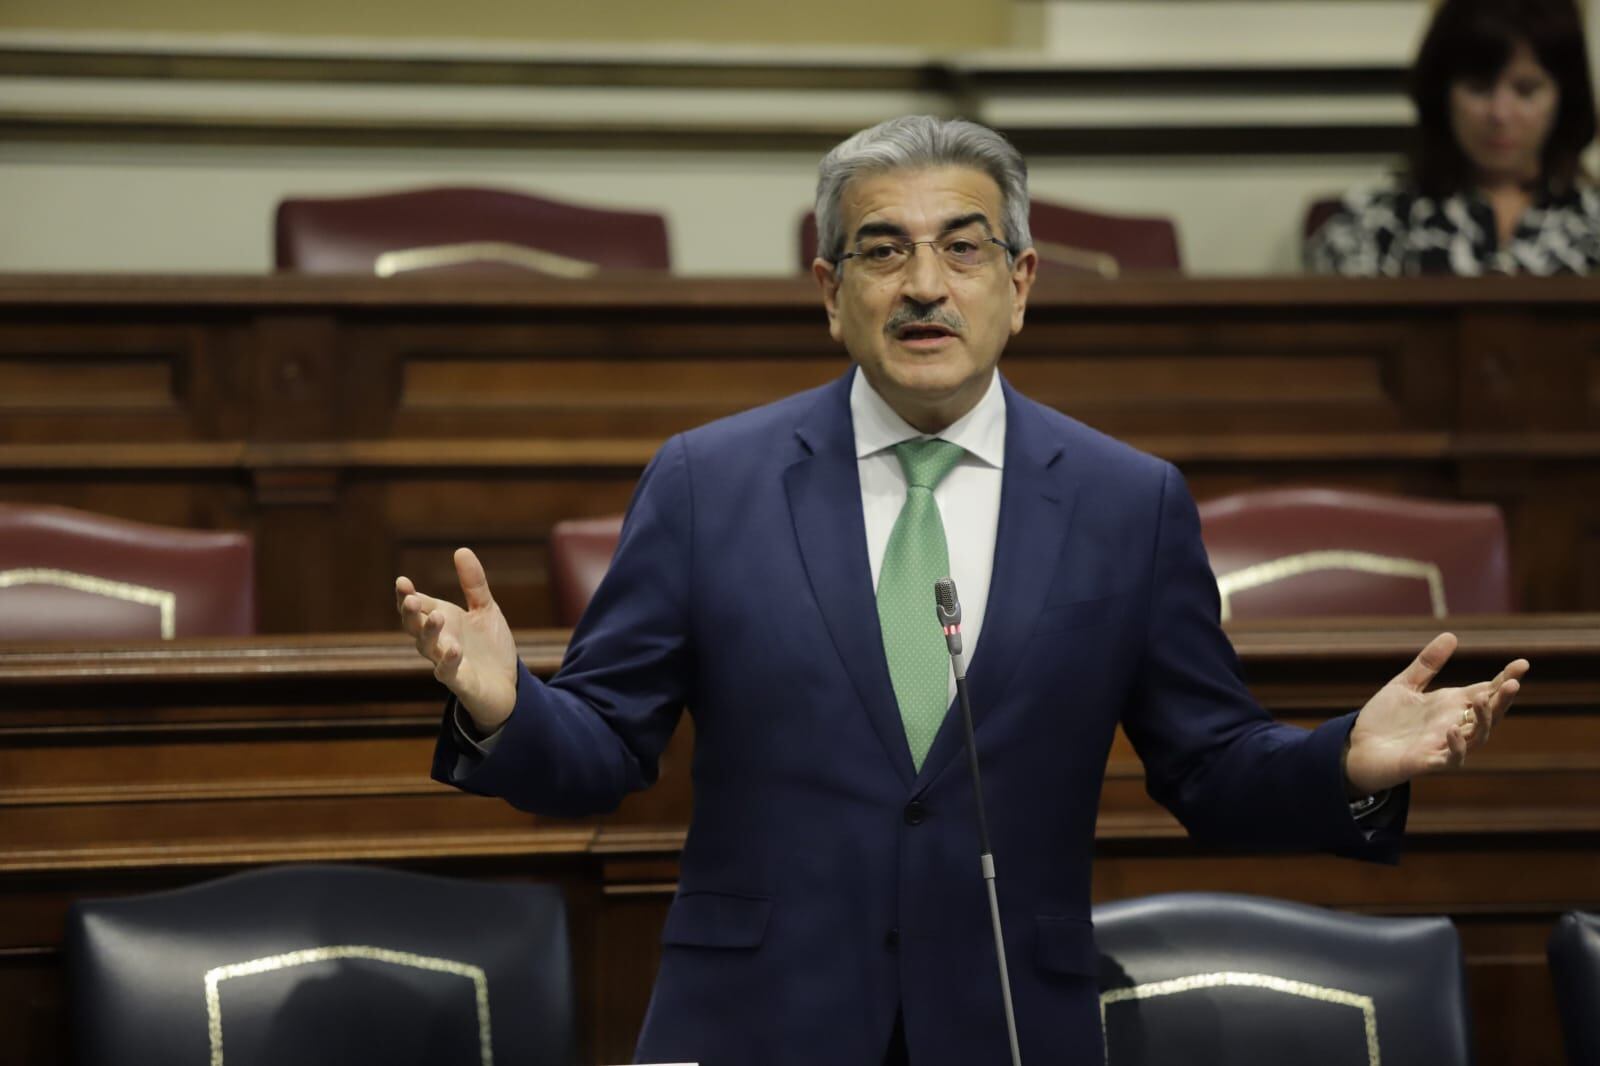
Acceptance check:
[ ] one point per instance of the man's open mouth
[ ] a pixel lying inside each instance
(922, 332)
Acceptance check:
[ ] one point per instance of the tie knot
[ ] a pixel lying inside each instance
(926, 462)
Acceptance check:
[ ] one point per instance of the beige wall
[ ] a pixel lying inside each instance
(930, 24)
(197, 209)
(76, 204)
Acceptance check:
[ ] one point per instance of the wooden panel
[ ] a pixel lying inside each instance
(1235, 377)
(617, 397)
(69, 382)
(354, 424)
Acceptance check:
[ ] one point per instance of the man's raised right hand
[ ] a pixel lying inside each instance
(472, 650)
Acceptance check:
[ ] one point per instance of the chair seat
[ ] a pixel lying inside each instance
(1574, 952)
(1249, 981)
(315, 965)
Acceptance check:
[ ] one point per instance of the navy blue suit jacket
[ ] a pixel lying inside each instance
(826, 883)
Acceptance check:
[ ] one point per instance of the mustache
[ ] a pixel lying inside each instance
(911, 315)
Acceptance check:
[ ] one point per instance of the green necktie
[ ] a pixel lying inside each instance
(916, 557)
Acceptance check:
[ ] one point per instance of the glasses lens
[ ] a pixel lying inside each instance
(882, 256)
(965, 252)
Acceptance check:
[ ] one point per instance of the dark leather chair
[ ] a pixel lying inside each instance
(464, 229)
(1210, 978)
(1307, 552)
(1072, 240)
(323, 965)
(69, 574)
(1575, 968)
(580, 553)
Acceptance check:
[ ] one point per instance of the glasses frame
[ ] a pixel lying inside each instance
(911, 251)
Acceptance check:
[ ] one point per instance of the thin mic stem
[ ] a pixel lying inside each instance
(972, 762)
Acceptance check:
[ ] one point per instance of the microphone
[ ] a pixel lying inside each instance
(948, 607)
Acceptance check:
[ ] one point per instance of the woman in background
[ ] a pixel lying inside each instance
(1504, 110)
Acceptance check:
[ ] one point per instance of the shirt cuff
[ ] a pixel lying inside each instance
(471, 746)
(468, 732)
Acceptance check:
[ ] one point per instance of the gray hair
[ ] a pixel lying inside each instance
(919, 142)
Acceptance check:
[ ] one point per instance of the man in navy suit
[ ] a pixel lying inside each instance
(830, 907)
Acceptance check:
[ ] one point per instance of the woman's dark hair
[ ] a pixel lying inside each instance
(1474, 39)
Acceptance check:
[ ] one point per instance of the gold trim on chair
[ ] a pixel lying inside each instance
(536, 259)
(1275, 570)
(272, 963)
(164, 601)
(1101, 263)
(1239, 979)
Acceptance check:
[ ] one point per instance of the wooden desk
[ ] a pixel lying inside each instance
(362, 428)
(128, 769)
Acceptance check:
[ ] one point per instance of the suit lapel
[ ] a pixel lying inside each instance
(1036, 505)
(824, 490)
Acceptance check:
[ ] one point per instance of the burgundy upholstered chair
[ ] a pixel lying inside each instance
(1318, 213)
(580, 553)
(464, 229)
(1072, 240)
(68, 574)
(1306, 552)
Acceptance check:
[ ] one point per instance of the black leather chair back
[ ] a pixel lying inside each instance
(314, 965)
(1210, 978)
(1575, 968)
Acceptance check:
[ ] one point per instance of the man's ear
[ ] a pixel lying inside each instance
(1023, 270)
(827, 275)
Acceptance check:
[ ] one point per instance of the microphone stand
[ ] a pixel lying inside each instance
(949, 610)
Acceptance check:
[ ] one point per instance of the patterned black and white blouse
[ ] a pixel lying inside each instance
(1394, 233)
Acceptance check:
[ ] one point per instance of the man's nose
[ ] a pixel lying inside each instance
(925, 280)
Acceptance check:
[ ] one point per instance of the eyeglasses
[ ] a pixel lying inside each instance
(958, 253)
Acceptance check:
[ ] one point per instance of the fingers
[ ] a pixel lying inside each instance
(1426, 666)
(1457, 743)
(1515, 670)
(415, 608)
(1499, 702)
(474, 582)
(442, 650)
(1490, 700)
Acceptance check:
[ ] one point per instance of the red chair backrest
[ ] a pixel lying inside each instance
(1308, 552)
(68, 574)
(463, 229)
(580, 553)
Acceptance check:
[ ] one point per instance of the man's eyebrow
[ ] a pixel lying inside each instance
(882, 229)
(892, 229)
(976, 218)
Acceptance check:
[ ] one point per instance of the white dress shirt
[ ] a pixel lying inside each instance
(968, 497)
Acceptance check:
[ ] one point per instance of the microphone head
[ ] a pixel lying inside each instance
(944, 598)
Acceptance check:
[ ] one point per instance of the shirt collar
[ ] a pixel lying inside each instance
(981, 432)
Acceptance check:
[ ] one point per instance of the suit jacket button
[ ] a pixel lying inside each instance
(891, 940)
(915, 812)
